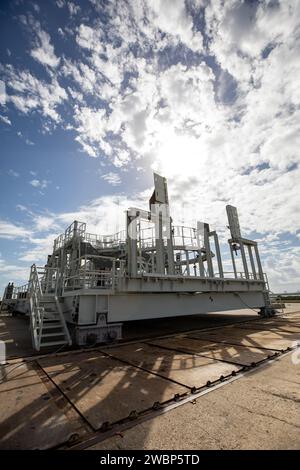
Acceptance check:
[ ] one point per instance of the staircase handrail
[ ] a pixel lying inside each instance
(36, 311)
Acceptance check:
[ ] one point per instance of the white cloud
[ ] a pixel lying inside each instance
(10, 230)
(44, 223)
(36, 7)
(82, 74)
(91, 129)
(171, 16)
(41, 184)
(44, 50)
(30, 93)
(5, 119)
(87, 148)
(112, 178)
(13, 173)
(60, 3)
(38, 248)
(2, 93)
(12, 272)
(73, 8)
(90, 38)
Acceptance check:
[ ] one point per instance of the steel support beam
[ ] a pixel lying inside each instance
(208, 251)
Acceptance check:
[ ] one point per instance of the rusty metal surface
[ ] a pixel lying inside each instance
(29, 415)
(250, 337)
(106, 390)
(225, 352)
(191, 370)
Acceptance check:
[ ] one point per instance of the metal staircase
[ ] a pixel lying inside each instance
(47, 323)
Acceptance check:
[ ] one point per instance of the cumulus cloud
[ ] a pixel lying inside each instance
(171, 16)
(44, 50)
(90, 38)
(41, 184)
(28, 93)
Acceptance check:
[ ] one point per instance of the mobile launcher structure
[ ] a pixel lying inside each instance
(91, 283)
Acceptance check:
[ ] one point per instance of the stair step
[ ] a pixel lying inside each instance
(48, 327)
(53, 343)
(51, 320)
(46, 335)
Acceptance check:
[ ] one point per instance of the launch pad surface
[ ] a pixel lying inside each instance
(114, 396)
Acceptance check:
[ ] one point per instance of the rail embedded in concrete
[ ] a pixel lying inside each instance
(108, 389)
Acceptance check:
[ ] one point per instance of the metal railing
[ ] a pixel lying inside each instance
(38, 287)
(82, 274)
(36, 311)
(242, 275)
(49, 279)
(89, 280)
(182, 236)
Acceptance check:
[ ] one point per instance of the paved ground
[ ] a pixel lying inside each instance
(260, 411)
(47, 401)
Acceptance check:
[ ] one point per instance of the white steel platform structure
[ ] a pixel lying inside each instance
(152, 269)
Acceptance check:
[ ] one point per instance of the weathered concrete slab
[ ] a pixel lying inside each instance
(247, 337)
(289, 320)
(260, 411)
(187, 369)
(276, 327)
(225, 352)
(105, 389)
(272, 322)
(29, 415)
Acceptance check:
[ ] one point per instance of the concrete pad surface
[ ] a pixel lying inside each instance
(258, 411)
(249, 337)
(187, 369)
(226, 352)
(106, 390)
(30, 417)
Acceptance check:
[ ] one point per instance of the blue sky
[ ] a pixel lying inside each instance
(95, 95)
